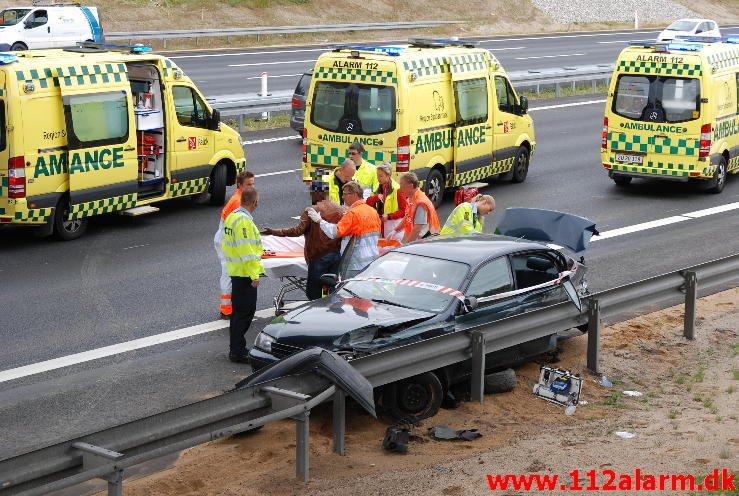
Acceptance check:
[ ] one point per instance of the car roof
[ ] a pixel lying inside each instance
(696, 20)
(470, 249)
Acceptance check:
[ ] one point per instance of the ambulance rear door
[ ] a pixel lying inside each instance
(101, 137)
(473, 143)
(4, 153)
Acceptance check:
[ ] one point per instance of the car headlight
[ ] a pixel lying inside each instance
(264, 342)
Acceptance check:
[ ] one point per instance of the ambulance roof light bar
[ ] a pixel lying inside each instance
(441, 43)
(666, 46)
(8, 58)
(391, 50)
(114, 48)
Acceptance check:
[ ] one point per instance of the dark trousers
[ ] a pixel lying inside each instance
(244, 301)
(327, 264)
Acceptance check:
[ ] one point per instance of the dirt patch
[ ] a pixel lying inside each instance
(684, 422)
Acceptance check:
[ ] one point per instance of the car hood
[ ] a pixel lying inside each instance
(337, 322)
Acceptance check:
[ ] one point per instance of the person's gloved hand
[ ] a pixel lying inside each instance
(314, 216)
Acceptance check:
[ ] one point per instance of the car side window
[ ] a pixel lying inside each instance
(492, 278)
(506, 97)
(38, 18)
(189, 107)
(532, 269)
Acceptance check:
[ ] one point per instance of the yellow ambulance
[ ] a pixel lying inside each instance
(105, 128)
(443, 109)
(671, 112)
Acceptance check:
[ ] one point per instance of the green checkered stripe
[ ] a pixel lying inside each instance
(324, 155)
(4, 182)
(427, 66)
(724, 59)
(655, 168)
(240, 165)
(733, 165)
(664, 68)
(33, 216)
(107, 205)
(73, 76)
(169, 68)
(184, 188)
(497, 167)
(468, 63)
(662, 146)
(361, 75)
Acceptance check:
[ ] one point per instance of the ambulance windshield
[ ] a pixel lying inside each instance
(657, 98)
(357, 109)
(11, 17)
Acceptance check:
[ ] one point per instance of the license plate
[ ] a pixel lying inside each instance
(628, 158)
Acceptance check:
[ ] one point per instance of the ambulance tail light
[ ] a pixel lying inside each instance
(705, 148)
(305, 145)
(404, 154)
(604, 135)
(17, 177)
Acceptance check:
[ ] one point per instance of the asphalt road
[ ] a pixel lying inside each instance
(235, 71)
(132, 278)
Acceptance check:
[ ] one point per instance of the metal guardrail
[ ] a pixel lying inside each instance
(266, 30)
(107, 453)
(238, 107)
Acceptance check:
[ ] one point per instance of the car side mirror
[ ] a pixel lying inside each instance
(470, 303)
(329, 280)
(28, 24)
(215, 120)
(524, 105)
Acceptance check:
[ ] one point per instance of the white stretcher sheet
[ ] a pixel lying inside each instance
(284, 266)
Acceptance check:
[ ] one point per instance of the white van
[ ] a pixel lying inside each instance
(48, 26)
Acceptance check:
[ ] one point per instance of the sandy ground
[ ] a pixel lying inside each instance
(685, 422)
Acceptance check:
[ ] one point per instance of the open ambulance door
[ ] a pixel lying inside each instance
(101, 139)
(473, 134)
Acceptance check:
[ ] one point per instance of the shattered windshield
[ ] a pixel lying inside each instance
(657, 98)
(416, 268)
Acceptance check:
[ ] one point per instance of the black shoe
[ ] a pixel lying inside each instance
(238, 358)
(225, 317)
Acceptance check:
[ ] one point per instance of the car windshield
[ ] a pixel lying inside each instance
(657, 98)
(397, 265)
(358, 109)
(11, 17)
(682, 26)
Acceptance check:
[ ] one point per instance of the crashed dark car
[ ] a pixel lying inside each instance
(437, 286)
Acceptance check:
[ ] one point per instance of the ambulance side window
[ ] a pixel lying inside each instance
(472, 101)
(3, 139)
(189, 107)
(506, 97)
(96, 119)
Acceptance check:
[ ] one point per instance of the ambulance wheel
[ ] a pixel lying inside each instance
(415, 398)
(435, 187)
(67, 230)
(716, 185)
(521, 165)
(17, 46)
(218, 185)
(621, 180)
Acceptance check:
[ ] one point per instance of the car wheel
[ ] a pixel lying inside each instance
(415, 398)
(218, 185)
(521, 165)
(67, 230)
(716, 185)
(435, 187)
(18, 46)
(500, 382)
(621, 180)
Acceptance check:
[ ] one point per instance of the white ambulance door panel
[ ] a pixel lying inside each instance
(190, 138)
(473, 147)
(505, 120)
(37, 29)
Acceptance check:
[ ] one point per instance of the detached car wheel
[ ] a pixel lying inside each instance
(415, 398)
(500, 382)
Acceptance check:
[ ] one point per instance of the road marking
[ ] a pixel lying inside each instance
(278, 76)
(713, 210)
(505, 48)
(271, 140)
(563, 105)
(550, 56)
(276, 173)
(619, 41)
(239, 54)
(272, 63)
(628, 33)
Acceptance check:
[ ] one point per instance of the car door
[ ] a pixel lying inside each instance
(37, 29)
(505, 120)
(191, 140)
(473, 144)
(489, 285)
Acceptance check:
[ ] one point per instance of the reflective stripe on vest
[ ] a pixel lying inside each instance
(462, 221)
(242, 245)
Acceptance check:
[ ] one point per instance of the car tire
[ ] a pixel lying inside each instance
(18, 46)
(621, 180)
(415, 398)
(218, 185)
(67, 230)
(520, 165)
(717, 183)
(500, 382)
(434, 187)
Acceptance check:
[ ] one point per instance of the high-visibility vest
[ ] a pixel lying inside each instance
(463, 220)
(362, 222)
(366, 176)
(242, 245)
(420, 198)
(232, 204)
(391, 202)
(334, 190)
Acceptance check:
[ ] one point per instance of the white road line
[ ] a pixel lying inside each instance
(550, 56)
(639, 227)
(239, 54)
(563, 105)
(272, 140)
(272, 63)
(278, 76)
(505, 48)
(276, 173)
(556, 37)
(713, 210)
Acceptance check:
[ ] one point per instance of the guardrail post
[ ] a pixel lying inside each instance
(478, 366)
(241, 123)
(302, 446)
(95, 456)
(594, 82)
(594, 336)
(691, 295)
(339, 418)
(556, 90)
(165, 42)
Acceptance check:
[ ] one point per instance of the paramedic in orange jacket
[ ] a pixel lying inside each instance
(243, 180)
(420, 218)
